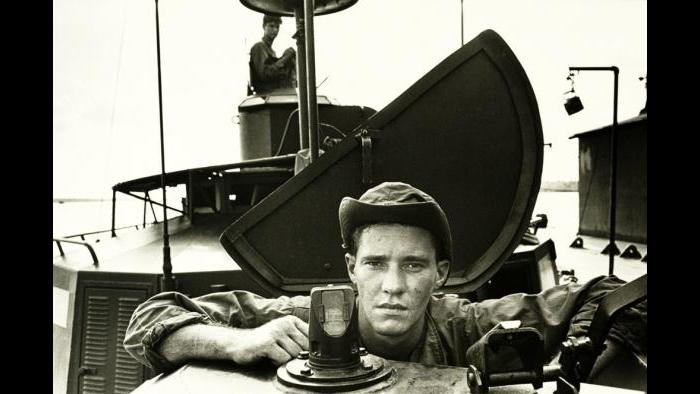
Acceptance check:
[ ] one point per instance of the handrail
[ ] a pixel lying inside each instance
(82, 235)
(87, 245)
(155, 179)
(154, 202)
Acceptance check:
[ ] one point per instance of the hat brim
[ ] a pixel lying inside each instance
(428, 215)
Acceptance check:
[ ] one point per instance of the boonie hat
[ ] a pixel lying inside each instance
(395, 202)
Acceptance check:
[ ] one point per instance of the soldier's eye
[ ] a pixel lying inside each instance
(373, 264)
(413, 267)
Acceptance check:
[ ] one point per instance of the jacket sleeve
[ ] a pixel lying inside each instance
(558, 312)
(166, 312)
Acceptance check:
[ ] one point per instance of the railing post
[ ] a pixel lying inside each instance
(87, 245)
(311, 79)
(301, 79)
(190, 196)
(114, 208)
(144, 210)
(148, 197)
(60, 249)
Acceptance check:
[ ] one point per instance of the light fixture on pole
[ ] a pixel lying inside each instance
(573, 102)
(572, 105)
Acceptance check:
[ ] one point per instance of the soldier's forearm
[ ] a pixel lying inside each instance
(199, 342)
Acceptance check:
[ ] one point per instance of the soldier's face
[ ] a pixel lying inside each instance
(271, 29)
(396, 271)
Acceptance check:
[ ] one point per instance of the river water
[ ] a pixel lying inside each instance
(74, 217)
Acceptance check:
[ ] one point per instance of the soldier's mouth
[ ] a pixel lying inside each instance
(398, 307)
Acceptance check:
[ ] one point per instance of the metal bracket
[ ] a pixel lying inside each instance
(564, 387)
(83, 370)
(612, 246)
(631, 252)
(366, 136)
(476, 386)
(568, 275)
(540, 222)
(578, 243)
(506, 344)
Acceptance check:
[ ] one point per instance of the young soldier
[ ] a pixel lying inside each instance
(399, 249)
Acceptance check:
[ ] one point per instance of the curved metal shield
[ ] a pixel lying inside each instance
(468, 133)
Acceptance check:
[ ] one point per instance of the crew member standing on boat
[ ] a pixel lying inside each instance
(267, 71)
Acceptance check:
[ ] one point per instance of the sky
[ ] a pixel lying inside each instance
(105, 92)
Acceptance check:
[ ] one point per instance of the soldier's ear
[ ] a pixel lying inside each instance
(350, 264)
(443, 268)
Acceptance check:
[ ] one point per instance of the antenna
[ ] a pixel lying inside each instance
(322, 82)
(461, 16)
(168, 281)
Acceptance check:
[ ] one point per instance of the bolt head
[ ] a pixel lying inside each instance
(306, 371)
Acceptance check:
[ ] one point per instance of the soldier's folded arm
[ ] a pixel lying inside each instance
(263, 67)
(560, 312)
(171, 329)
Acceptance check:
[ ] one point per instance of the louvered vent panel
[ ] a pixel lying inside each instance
(107, 367)
(94, 384)
(128, 372)
(96, 343)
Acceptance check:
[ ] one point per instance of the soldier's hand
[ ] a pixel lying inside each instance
(278, 340)
(289, 52)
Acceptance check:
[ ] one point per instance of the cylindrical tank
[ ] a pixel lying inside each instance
(264, 119)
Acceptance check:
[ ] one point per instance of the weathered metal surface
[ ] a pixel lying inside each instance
(477, 102)
(213, 378)
(226, 377)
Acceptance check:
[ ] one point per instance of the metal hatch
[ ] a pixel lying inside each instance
(468, 133)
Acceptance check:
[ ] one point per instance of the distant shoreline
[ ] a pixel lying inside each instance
(62, 200)
(547, 189)
(559, 186)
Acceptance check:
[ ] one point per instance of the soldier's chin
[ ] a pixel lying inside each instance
(390, 328)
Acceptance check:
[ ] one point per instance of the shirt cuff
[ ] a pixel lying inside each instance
(161, 330)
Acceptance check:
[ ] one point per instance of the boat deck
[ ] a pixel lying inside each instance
(588, 262)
